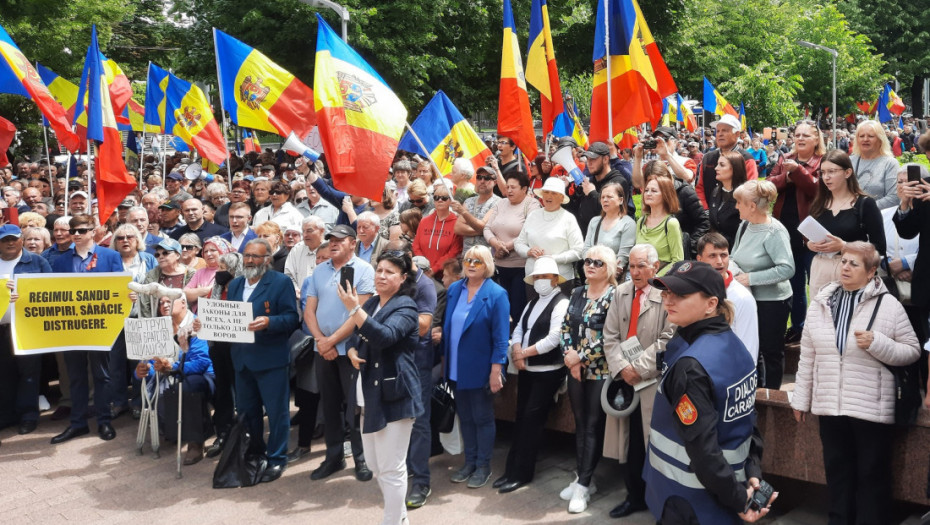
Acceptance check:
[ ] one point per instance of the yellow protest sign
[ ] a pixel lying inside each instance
(66, 311)
(4, 295)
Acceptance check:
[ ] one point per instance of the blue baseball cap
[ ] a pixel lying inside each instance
(170, 244)
(10, 230)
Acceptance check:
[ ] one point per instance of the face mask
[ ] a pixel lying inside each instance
(542, 286)
(223, 277)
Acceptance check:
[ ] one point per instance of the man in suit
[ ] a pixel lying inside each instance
(636, 311)
(239, 234)
(261, 367)
(86, 257)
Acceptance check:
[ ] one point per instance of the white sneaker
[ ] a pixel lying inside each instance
(568, 491)
(579, 500)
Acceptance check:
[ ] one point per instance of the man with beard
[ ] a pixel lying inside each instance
(262, 367)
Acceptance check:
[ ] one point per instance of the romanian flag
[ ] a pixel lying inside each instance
(188, 116)
(627, 139)
(568, 124)
(156, 82)
(446, 135)
(742, 116)
(889, 103)
(118, 84)
(514, 119)
(684, 116)
(65, 92)
(714, 101)
(134, 114)
(113, 181)
(260, 94)
(541, 71)
(360, 119)
(667, 109)
(250, 142)
(18, 77)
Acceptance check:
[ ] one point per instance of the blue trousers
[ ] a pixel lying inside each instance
(475, 407)
(268, 388)
(421, 439)
(77, 362)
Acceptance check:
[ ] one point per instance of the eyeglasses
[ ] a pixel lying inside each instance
(596, 263)
(832, 172)
(161, 253)
(473, 262)
(441, 198)
(299, 200)
(80, 231)
(418, 202)
(253, 256)
(120, 238)
(485, 177)
(188, 247)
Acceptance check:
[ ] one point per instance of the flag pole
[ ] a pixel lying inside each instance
(420, 143)
(142, 154)
(164, 159)
(67, 183)
(610, 119)
(90, 183)
(48, 156)
(219, 77)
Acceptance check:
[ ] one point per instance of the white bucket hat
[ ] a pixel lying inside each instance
(543, 266)
(555, 185)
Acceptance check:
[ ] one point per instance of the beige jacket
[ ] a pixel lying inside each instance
(856, 383)
(653, 331)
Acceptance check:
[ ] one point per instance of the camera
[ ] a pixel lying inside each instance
(761, 496)
(649, 144)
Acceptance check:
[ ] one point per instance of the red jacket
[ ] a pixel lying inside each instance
(436, 240)
(805, 184)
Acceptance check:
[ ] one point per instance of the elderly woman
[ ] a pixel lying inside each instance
(795, 176)
(436, 238)
(31, 219)
(761, 261)
(475, 334)
(731, 174)
(583, 354)
(401, 172)
(658, 226)
(846, 212)
(535, 353)
(874, 165)
(551, 231)
(170, 272)
(271, 232)
(388, 389)
(201, 285)
(36, 239)
(409, 222)
(614, 228)
(190, 251)
(281, 210)
(854, 330)
(418, 198)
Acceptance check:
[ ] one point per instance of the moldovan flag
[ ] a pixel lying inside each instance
(7, 134)
(627, 139)
(667, 108)
(250, 142)
(568, 124)
(260, 94)
(639, 78)
(446, 135)
(65, 92)
(889, 103)
(360, 119)
(684, 116)
(156, 82)
(714, 101)
(514, 119)
(118, 84)
(742, 116)
(188, 115)
(541, 71)
(136, 113)
(18, 77)
(113, 181)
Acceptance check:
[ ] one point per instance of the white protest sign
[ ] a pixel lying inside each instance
(225, 321)
(148, 338)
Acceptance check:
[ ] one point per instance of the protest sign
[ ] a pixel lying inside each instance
(225, 321)
(4, 295)
(63, 311)
(148, 338)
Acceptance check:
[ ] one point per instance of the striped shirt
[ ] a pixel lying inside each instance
(843, 303)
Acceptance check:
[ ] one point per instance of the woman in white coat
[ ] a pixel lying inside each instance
(843, 379)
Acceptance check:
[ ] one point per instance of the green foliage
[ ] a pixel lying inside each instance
(580, 87)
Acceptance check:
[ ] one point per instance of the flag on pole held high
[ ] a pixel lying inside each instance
(684, 116)
(889, 103)
(714, 101)
(65, 92)
(250, 142)
(446, 135)
(514, 119)
(113, 181)
(156, 82)
(188, 115)
(18, 77)
(360, 118)
(541, 71)
(260, 94)
(742, 116)
(638, 76)
(568, 124)
(135, 112)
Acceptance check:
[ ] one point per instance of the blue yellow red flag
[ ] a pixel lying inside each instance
(18, 77)
(156, 81)
(667, 109)
(360, 118)
(638, 76)
(260, 94)
(684, 116)
(568, 124)
(514, 119)
(135, 115)
(541, 70)
(446, 135)
(714, 101)
(64, 92)
(250, 142)
(188, 115)
(889, 103)
(628, 138)
(742, 116)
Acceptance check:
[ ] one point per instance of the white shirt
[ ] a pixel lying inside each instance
(248, 289)
(300, 263)
(552, 339)
(6, 268)
(286, 217)
(236, 241)
(745, 319)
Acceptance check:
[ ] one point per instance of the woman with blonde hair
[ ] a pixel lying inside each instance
(874, 165)
(658, 225)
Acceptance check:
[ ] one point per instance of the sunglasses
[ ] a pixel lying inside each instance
(485, 177)
(300, 199)
(120, 238)
(473, 262)
(188, 247)
(161, 253)
(441, 198)
(418, 202)
(276, 192)
(596, 263)
(80, 231)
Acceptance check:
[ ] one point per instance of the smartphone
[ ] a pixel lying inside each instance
(10, 215)
(347, 277)
(913, 174)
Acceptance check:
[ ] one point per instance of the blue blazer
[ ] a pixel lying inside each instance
(273, 297)
(390, 381)
(485, 335)
(249, 235)
(107, 261)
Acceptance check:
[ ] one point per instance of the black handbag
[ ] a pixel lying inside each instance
(442, 408)
(906, 384)
(237, 467)
(196, 423)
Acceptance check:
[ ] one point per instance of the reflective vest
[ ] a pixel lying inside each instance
(667, 472)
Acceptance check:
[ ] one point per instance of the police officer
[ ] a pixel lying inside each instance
(704, 459)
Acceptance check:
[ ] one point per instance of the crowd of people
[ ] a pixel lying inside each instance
(513, 269)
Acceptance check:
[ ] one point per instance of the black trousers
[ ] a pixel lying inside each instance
(585, 397)
(857, 461)
(19, 383)
(77, 362)
(337, 392)
(535, 397)
(773, 319)
(308, 402)
(635, 459)
(224, 402)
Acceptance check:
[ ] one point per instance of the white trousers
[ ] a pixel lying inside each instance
(386, 455)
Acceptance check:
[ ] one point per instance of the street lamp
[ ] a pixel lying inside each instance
(833, 54)
(340, 9)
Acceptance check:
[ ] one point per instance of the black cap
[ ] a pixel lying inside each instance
(688, 277)
(170, 205)
(341, 231)
(567, 141)
(664, 132)
(598, 149)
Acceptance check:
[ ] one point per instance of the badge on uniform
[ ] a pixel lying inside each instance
(686, 411)
(267, 307)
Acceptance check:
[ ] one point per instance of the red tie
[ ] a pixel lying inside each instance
(634, 314)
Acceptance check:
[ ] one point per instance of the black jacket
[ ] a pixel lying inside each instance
(692, 216)
(917, 222)
(724, 217)
(589, 206)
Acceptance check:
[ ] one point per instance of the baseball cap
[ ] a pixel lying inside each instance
(688, 277)
(171, 205)
(598, 149)
(175, 176)
(664, 131)
(128, 203)
(729, 120)
(421, 262)
(79, 194)
(341, 231)
(170, 244)
(10, 230)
